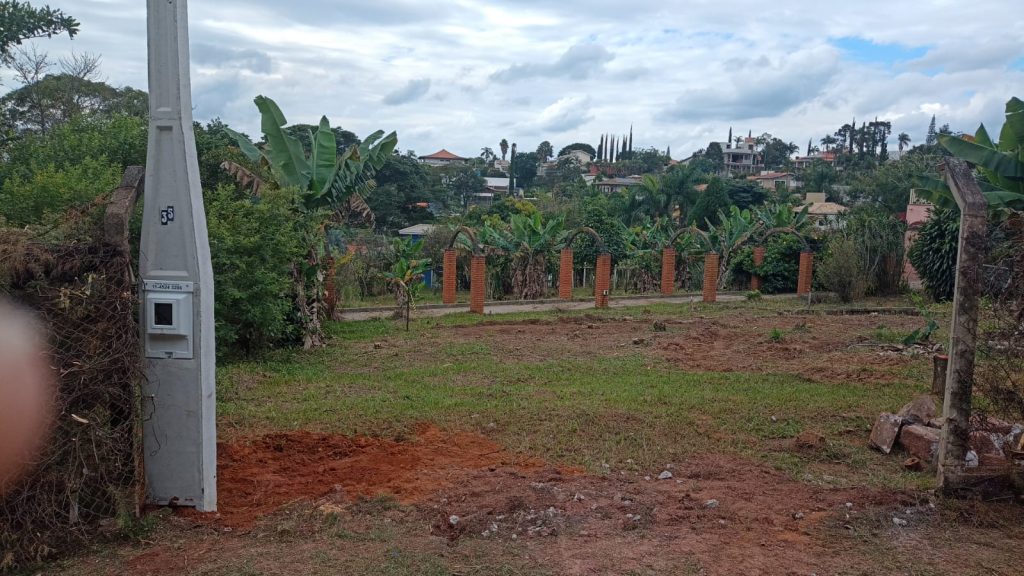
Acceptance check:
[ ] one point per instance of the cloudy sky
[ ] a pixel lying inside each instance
(462, 74)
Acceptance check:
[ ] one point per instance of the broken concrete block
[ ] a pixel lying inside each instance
(885, 432)
(920, 410)
(921, 442)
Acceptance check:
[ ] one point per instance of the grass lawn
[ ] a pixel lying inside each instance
(542, 435)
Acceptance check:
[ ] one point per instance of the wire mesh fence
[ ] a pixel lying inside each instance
(87, 480)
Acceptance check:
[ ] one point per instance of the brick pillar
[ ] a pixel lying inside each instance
(803, 285)
(668, 271)
(755, 280)
(477, 283)
(565, 275)
(602, 280)
(449, 277)
(711, 277)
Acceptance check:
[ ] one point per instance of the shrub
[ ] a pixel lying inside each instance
(842, 269)
(780, 269)
(934, 252)
(49, 191)
(254, 243)
(879, 239)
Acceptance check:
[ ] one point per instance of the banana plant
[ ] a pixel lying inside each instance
(529, 240)
(1002, 163)
(407, 274)
(324, 179)
(734, 229)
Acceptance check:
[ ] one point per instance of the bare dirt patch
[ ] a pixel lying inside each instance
(256, 476)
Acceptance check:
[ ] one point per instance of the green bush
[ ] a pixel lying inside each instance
(879, 238)
(52, 190)
(842, 268)
(254, 243)
(781, 267)
(934, 252)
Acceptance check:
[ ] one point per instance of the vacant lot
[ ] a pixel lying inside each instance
(658, 440)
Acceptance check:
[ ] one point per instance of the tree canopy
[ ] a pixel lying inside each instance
(21, 21)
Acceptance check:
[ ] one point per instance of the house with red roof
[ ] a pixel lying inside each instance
(442, 158)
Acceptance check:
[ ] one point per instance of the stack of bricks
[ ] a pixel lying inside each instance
(755, 280)
(449, 278)
(565, 275)
(711, 277)
(668, 271)
(602, 280)
(477, 283)
(806, 273)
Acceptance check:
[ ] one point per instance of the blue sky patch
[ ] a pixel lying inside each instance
(867, 51)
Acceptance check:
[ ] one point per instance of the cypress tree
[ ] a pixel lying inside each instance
(933, 137)
(600, 147)
(630, 137)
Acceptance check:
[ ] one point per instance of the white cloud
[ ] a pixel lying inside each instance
(530, 70)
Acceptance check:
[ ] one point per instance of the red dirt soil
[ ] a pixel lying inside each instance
(259, 475)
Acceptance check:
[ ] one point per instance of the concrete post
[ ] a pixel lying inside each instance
(565, 275)
(955, 440)
(668, 271)
(806, 274)
(602, 280)
(711, 277)
(179, 394)
(755, 280)
(477, 284)
(450, 277)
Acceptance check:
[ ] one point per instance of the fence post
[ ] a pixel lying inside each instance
(477, 284)
(602, 280)
(956, 410)
(565, 275)
(449, 280)
(755, 280)
(668, 271)
(711, 277)
(803, 285)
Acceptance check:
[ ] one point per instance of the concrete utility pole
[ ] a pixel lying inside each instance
(955, 439)
(178, 403)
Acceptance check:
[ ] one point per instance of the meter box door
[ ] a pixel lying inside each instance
(168, 319)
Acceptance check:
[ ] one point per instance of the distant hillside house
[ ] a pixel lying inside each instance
(918, 211)
(741, 158)
(580, 156)
(804, 162)
(442, 158)
(776, 180)
(823, 214)
(497, 185)
(612, 185)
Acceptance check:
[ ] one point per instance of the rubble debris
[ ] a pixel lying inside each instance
(885, 432)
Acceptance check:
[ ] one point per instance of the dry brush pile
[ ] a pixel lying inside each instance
(86, 480)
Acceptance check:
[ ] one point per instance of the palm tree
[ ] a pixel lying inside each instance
(829, 141)
(504, 148)
(487, 154)
(904, 140)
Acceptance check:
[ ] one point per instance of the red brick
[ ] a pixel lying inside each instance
(710, 277)
(449, 277)
(477, 282)
(565, 275)
(755, 280)
(668, 271)
(602, 280)
(806, 274)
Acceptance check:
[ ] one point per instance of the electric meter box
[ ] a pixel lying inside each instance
(168, 319)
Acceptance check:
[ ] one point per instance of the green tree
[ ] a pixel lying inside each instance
(710, 204)
(744, 193)
(715, 157)
(503, 146)
(934, 252)
(904, 140)
(932, 138)
(545, 151)
(20, 22)
(820, 176)
(405, 195)
(776, 154)
(525, 169)
(579, 146)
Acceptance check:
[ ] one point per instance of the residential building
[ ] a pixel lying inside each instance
(741, 157)
(824, 215)
(442, 158)
(776, 180)
(497, 185)
(581, 156)
(612, 185)
(804, 162)
(918, 211)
